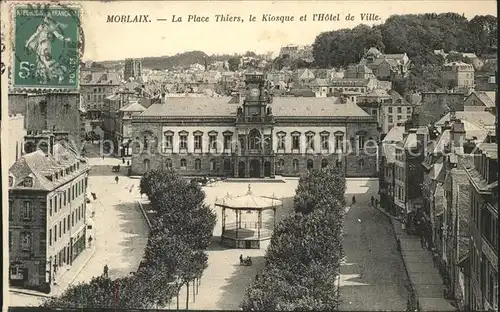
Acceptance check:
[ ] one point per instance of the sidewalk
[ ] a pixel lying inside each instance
(424, 276)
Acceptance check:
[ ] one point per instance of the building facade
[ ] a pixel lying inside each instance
(133, 69)
(52, 111)
(263, 137)
(16, 138)
(482, 264)
(46, 214)
(458, 74)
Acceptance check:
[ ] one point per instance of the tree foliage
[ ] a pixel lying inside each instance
(174, 255)
(417, 35)
(303, 258)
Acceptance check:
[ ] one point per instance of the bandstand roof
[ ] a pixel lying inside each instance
(249, 201)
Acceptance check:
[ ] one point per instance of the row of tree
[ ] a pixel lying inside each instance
(417, 35)
(303, 258)
(175, 253)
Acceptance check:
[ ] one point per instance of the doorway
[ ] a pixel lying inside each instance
(254, 168)
(248, 244)
(241, 169)
(267, 169)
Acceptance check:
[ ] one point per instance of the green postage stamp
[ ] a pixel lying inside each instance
(47, 47)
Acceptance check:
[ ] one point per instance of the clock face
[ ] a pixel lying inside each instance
(254, 92)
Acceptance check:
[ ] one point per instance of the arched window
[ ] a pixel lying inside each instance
(183, 163)
(295, 165)
(310, 164)
(254, 140)
(168, 163)
(212, 165)
(324, 163)
(197, 164)
(281, 164)
(28, 182)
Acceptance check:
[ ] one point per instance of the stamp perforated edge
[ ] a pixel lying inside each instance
(12, 46)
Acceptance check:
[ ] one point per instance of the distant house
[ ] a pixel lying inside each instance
(480, 101)
(319, 87)
(386, 66)
(359, 72)
(458, 74)
(304, 75)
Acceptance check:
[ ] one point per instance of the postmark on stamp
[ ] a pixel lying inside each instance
(47, 46)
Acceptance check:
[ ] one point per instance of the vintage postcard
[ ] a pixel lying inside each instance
(249, 155)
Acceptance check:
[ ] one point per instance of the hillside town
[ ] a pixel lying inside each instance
(424, 158)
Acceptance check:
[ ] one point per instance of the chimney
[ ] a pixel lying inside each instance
(457, 133)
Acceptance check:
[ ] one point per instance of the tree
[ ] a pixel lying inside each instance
(233, 63)
(174, 254)
(303, 258)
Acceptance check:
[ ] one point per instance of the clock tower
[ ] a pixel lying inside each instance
(254, 127)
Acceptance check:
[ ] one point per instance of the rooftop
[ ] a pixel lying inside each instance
(281, 106)
(478, 118)
(40, 167)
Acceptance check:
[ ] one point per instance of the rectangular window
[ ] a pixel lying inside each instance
(400, 110)
(10, 239)
(390, 119)
(197, 142)
(295, 142)
(60, 228)
(325, 142)
(64, 226)
(399, 117)
(212, 141)
(27, 211)
(281, 142)
(310, 142)
(50, 237)
(408, 110)
(183, 142)
(73, 218)
(390, 110)
(361, 141)
(26, 241)
(339, 143)
(55, 233)
(227, 142)
(50, 207)
(168, 143)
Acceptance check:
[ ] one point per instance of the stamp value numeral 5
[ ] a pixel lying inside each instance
(26, 70)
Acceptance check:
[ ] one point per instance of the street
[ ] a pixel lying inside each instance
(121, 232)
(373, 275)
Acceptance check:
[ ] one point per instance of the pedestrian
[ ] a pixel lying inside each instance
(90, 241)
(116, 179)
(103, 157)
(241, 258)
(94, 196)
(128, 162)
(123, 160)
(106, 270)
(257, 277)
(376, 202)
(372, 199)
(353, 200)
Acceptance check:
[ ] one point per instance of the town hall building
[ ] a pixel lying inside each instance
(259, 136)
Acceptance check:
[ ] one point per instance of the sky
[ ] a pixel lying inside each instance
(115, 41)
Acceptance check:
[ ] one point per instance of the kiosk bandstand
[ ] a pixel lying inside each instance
(247, 233)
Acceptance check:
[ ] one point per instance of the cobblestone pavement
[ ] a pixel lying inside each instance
(372, 275)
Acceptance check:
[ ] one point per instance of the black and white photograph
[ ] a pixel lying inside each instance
(249, 155)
